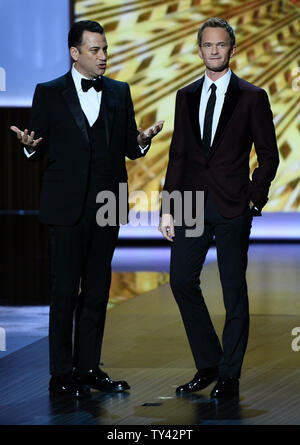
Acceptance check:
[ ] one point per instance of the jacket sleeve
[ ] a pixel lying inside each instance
(175, 169)
(39, 122)
(177, 153)
(264, 138)
(133, 150)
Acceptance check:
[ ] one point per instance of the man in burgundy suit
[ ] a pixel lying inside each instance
(217, 119)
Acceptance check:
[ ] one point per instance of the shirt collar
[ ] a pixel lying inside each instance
(77, 76)
(221, 83)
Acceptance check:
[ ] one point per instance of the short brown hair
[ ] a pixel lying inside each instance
(215, 22)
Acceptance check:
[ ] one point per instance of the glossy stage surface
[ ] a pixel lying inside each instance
(145, 344)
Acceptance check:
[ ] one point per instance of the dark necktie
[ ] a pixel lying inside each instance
(208, 119)
(86, 84)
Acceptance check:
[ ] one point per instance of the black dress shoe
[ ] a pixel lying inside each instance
(65, 384)
(202, 379)
(97, 379)
(226, 388)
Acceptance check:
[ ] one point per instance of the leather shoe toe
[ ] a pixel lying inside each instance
(97, 379)
(65, 384)
(200, 381)
(226, 388)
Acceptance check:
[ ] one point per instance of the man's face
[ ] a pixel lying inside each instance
(215, 49)
(91, 57)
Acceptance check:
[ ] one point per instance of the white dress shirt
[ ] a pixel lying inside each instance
(221, 84)
(90, 100)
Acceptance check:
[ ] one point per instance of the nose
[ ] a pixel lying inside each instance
(102, 55)
(215, 49)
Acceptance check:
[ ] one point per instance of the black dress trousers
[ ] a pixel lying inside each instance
(81, 272)
(187, 258)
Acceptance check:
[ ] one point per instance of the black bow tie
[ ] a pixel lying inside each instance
(86, 84)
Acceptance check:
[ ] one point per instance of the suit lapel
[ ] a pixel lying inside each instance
(71, 97)
(108, 104)
(230, 101)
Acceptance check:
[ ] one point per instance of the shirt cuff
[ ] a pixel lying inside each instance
(143, 149)
(27, 152)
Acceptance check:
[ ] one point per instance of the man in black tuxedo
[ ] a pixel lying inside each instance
(217, 119)
(85, 123)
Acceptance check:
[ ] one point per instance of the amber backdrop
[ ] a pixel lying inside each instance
(152, 46)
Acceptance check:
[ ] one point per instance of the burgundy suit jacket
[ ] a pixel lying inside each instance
(246, 118)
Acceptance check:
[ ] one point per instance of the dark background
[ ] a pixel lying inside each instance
(24, 243)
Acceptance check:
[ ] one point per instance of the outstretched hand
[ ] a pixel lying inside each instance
(145, 137)
(26, 139)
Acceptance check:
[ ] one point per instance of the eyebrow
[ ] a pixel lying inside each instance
(207, 41)
(98, 47)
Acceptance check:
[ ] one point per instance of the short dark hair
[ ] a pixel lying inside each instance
(215, 22)
(77, 29)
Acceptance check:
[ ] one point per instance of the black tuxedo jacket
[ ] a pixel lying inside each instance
(57, 117)
(246, 118)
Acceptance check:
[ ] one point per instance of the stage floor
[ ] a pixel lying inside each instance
(145, 344)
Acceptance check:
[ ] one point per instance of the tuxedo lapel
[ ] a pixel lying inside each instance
(71, 97)
(108, 104)
(230, 101)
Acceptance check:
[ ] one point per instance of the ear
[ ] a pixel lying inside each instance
(232, 51)
(74, 53)
(200, 52)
